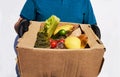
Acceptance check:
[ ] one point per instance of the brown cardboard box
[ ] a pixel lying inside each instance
(41, 62)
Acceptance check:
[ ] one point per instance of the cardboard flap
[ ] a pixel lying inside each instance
(93, 40)
(29, 37)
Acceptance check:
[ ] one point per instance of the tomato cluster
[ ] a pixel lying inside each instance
(55, 42)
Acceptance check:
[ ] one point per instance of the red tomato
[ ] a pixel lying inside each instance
(53, 43)
(62, 40)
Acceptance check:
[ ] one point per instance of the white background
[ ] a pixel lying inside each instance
(108, 17)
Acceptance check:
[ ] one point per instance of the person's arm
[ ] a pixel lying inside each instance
(17, 24)
(89, 18)
(28, 13)
(96, 30)
(21, 26)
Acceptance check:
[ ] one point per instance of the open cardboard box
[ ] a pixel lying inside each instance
(44, 62)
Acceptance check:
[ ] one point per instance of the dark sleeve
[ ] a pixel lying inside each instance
(23, 27)
(96, 30)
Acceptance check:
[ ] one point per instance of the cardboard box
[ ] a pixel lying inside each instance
(42, 62)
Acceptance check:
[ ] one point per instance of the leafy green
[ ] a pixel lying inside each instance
(42, 40)
(46, 32)
(51, 24)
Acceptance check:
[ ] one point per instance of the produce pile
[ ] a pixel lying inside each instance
(56, 35)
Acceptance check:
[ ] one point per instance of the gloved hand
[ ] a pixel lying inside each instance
(96, 30)
(23, 27)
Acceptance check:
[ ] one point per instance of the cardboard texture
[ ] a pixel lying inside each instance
(42, 62)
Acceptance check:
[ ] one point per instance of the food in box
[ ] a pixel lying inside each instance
(52, 35)
(49, 62)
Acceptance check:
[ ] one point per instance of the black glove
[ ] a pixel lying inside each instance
(96, 30)
(23, 27)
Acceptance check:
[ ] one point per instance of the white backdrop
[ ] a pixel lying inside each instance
(107, 14)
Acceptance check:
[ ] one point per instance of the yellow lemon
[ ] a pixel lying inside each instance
(72, 42)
